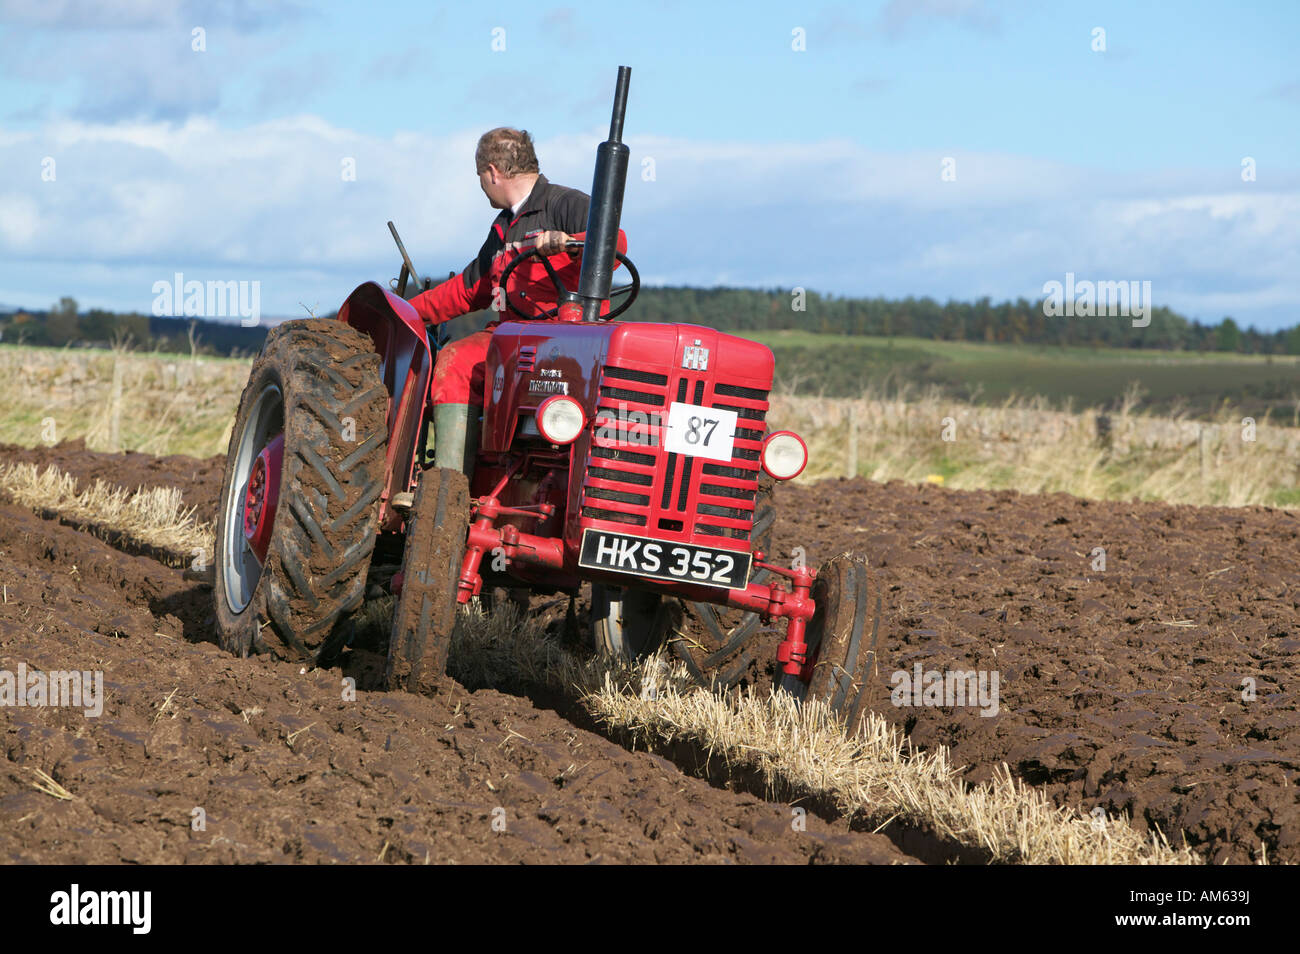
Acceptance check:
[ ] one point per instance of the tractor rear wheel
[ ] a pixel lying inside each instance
(425, 617)
(300, 498)
(841, 638)
(631, 624)
(724, 646)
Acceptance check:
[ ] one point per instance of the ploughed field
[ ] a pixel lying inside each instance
(1167, 684)
(1162, 682)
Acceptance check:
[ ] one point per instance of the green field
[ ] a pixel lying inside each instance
(1168, 381)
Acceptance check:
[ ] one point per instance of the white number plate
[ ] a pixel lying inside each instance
(700, 431)
(662, 560)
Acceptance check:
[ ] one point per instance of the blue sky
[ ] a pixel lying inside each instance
(819, 168)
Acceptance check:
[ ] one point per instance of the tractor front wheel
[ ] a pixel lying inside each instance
(425, 617)
(841, 638)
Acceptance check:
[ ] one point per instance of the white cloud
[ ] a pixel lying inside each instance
(134, 14)
(18, 219)
(144, 199)
(136, 59)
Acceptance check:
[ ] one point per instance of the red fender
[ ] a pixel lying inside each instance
(402, 344)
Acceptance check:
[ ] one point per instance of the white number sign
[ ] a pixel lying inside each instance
(700, 431)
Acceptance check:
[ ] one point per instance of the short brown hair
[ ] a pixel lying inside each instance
(510, 150)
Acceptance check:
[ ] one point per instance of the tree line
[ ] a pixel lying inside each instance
(730, 309)
(1011, 322)
(65, 324)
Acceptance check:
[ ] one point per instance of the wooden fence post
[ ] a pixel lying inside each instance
(115, 407)
(852, 469)
(1204, 446)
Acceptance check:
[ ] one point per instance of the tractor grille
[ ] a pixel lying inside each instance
(631, 480)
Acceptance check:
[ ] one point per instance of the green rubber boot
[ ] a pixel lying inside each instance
(455, 439)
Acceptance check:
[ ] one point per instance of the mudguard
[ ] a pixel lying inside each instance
(403, 346)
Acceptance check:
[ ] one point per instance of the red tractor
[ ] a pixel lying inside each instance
(631, 456)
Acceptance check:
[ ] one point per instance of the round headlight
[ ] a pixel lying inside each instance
(560, 419)
(784, 455)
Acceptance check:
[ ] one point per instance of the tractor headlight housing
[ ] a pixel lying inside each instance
(560, 419)
(784, 455)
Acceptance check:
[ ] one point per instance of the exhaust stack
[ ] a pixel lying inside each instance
(606, 209)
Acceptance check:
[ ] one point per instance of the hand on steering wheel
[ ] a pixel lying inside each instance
(571, 246)
(552, 242)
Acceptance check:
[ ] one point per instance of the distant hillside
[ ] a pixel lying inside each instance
(64, 324)
(731, 309)
(1011, 322)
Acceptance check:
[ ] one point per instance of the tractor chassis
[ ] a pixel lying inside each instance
(770, 600)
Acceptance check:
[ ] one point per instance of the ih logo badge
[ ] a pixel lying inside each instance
(695, 358)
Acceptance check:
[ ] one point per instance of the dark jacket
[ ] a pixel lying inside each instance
(548, 207)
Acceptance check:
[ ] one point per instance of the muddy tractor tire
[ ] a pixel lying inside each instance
(723, 646)
(841, 638)
(426, 612)
(300, 498)
(631, 624)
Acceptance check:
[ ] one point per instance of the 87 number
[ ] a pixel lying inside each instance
(695, 431)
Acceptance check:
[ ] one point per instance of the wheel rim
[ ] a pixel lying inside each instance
(635, 636)
(251, 498)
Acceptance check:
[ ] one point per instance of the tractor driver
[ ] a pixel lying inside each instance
(534, 212)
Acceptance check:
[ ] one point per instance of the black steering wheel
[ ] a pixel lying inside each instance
(630, 290)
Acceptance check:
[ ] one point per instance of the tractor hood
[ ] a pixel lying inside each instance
(529, 361)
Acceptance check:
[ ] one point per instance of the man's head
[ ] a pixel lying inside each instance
(506, 165)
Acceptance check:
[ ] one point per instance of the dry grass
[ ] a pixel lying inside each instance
(872, 773)
(1025, 445)
(119, 400)
(170, 404)
(149, 516)
(42, 781)
(875, 774)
